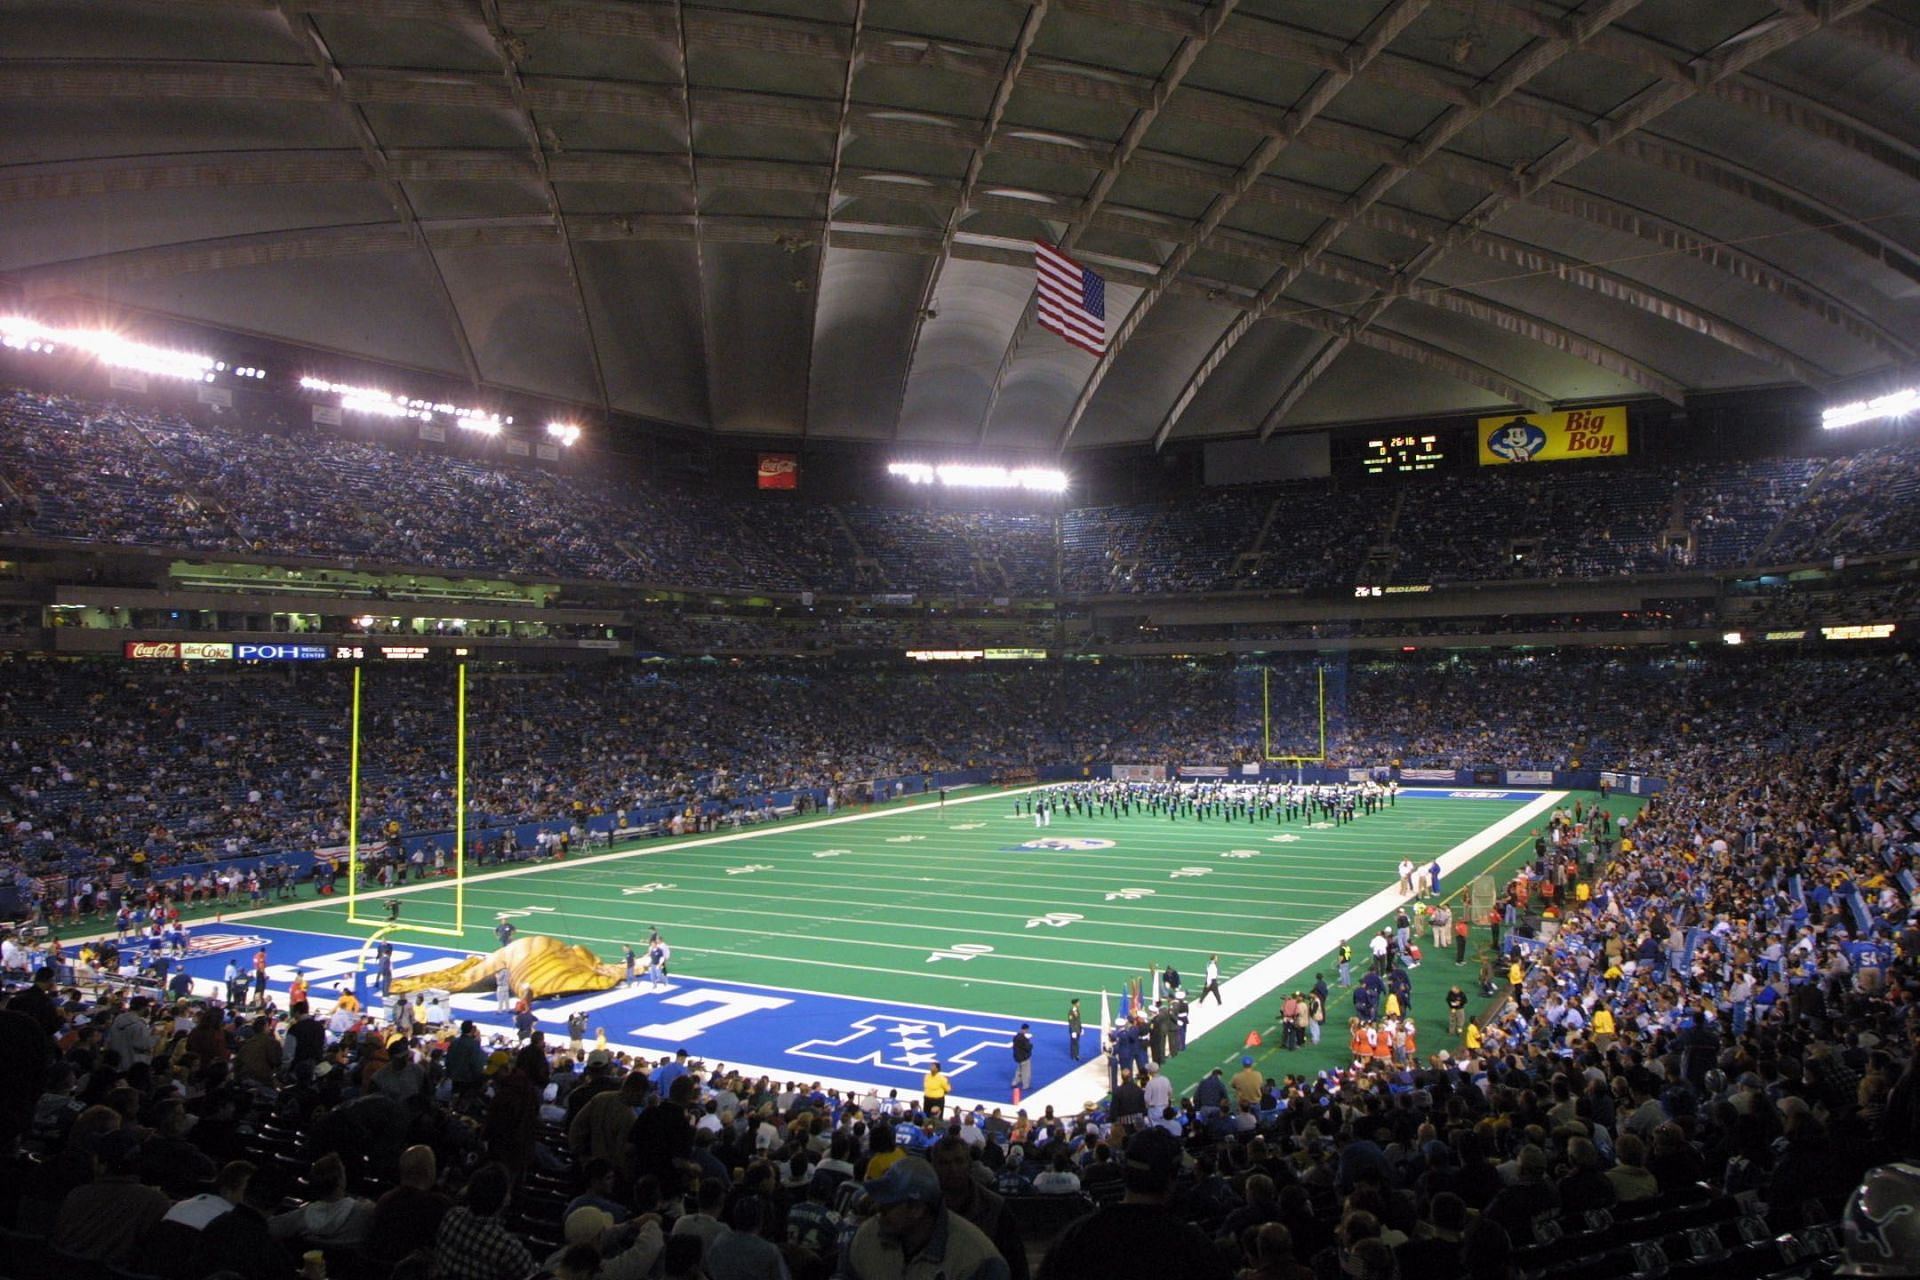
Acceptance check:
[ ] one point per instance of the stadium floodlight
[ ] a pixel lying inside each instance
(22, 334)
(386, 404)
(961, 475)
(564, 432)
(1898, 404)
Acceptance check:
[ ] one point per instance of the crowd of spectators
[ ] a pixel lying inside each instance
(108, 473)
(1691, 1061)
(1865, 504)
(832, 631)
(1660, 616)
(103, 761)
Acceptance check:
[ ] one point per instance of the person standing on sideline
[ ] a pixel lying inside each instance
(934, 1090)
(1213, 981)
(1406, 877)
(1433, 879)
(1460, 931)
(260, 977)
(632, 963)
(1022, 1059)
(1456, 1010)
(1074, 1028)
(1346, 963)
(658, 952)
(503, 931)
(502, 991)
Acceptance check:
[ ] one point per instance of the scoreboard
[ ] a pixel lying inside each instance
(1403, 454)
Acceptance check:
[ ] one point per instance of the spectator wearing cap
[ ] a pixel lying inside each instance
(953, 1162)
(1140, 1236)
(626, 1251)
(1247, 1083)
(401, 1079)
(108, 1219)
(914, 1236)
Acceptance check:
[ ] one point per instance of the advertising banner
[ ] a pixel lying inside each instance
(1204, 771)
(184, 651)
(281, 652)
(1139, 773)
(1554, 437)
(1428, 775)
(779, 471)
(1529, 777)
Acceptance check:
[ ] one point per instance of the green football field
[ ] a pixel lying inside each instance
(969, 908)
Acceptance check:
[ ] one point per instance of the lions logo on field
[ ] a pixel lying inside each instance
(1069, 844)
(1517, 441)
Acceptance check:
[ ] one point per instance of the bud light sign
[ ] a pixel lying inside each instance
(280, 652)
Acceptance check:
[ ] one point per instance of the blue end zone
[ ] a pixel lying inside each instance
(784, 1033)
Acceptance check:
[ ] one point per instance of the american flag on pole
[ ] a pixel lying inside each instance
(1073, 300)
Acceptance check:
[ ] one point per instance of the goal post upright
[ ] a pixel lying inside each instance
(353, 804)
(393, 924)
(460, 806)
(1266, 719)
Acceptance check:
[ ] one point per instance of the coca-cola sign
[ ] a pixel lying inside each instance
(180, 651)
(779, 471)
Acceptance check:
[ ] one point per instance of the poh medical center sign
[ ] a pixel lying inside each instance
(1553, 437)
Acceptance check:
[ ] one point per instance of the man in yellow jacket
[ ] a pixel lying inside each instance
(1603, 1029)
(934, 1090)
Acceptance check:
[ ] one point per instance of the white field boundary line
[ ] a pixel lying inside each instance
(1239, 992)
(1086, 1083)
(644, 851)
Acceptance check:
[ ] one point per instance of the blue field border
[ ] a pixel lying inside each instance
(786, 1033)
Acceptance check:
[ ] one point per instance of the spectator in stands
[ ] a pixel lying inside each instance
(108, 1219)
(912, 1229)
(408, 1217)
(963, 1193)
(1140, 1236)
(472, 1243)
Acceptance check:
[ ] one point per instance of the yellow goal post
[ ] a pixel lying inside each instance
(391, 923)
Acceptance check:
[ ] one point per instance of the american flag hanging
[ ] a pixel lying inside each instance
(1072, 299)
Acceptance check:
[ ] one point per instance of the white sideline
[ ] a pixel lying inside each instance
(1238, 993)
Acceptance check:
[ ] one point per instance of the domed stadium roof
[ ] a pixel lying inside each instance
(816, 218)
